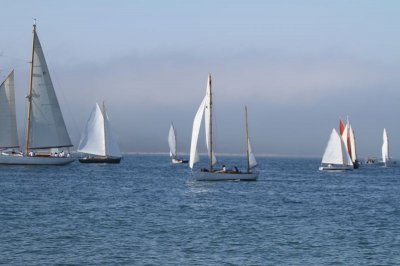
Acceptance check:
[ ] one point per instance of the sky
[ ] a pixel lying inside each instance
(298, 65)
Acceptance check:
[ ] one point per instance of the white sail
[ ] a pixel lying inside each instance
(346, 156)
(385, 147)
(335, 151)
(98, 138)
(352, 144)
(252, 158)
(194, 156)
(47, 128)
(8, 121)
(112, 148)
(93, 139)
(172, 142)
(207, 117)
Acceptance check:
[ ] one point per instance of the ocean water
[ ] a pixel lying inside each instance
(146, 211)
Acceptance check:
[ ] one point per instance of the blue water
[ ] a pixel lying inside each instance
(148, 212)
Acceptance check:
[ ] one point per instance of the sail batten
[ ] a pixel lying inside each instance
(8, 121)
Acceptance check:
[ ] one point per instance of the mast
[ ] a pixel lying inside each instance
(211, 142)
(30, 92)
(103, 111)
(247, 142)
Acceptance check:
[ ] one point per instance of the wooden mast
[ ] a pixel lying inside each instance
(103, 111)
(211, 142)
(247, 142)
(30, 93)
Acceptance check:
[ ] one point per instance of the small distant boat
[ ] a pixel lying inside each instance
(212, 174)
(386, 160)
(45, 130)
(336, 156)
(98, 140)
(172, 147)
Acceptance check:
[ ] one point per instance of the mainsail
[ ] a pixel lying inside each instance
(46, 127)
(335, 151)
(8, 121)
(252, 158)
(172, 142)
(385, 147)
(194, 156)
(97, 138)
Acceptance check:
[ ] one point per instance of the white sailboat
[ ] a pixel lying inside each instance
(386, 160)
(212, 174)
(172, 146)
(45, 129)
(336, 156)
(98, 141)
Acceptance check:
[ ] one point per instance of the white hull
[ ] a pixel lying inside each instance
(218, 176)
(178, 161)
(34, 160)
(335, 167)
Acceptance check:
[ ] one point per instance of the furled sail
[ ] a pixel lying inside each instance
(207, 117)
(8, 121)
(46, 126)
(172, 142)
(194, 156)
(385, 147)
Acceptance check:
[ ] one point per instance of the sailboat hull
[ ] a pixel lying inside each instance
(34, 160)
(111, 160)
(335, 167)
(178, 161)
(218, 176)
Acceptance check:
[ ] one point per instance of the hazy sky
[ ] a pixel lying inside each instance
(298, 65)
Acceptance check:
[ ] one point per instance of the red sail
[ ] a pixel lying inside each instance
(341, 127)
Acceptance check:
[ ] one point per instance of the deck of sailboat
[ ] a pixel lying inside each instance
(34, 160)
(225, 176)
(98, 159)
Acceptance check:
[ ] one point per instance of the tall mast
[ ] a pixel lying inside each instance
(103, 111)
(247, 142)
(30, 93)
(211, 135)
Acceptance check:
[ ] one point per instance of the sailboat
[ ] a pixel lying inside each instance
(172, 146)
(98, 140)
(212, 174)
(45, 130)
(348, 136)
(386, 160)
(336, 156)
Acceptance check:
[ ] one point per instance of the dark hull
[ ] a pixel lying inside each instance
(99, 160)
